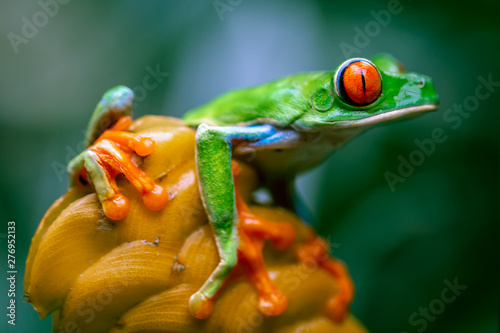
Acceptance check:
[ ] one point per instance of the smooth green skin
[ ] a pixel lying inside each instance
(282, 127)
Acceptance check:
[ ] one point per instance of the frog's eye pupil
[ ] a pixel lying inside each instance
(358, 82)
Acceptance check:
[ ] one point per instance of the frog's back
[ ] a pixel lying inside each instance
(279, 102)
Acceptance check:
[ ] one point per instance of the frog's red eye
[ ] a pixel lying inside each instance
(358, 82)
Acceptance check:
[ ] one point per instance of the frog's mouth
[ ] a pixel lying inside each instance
(403, 113)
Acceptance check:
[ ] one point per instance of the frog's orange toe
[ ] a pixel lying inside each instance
(200, 306)
(116, 208)
(155, 199)
(273, 304)
(144, 147)
(337, 308)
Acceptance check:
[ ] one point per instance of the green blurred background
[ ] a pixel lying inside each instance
(441, 223)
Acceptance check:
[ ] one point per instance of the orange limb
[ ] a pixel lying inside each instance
(116, 206)
(317, 249)
(113, 151)
(282, 235)
(253, 231)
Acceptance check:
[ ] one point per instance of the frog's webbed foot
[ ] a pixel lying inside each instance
(316, 249)
(253, 231)
(109, 156)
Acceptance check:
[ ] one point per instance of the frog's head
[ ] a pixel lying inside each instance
(363, 93)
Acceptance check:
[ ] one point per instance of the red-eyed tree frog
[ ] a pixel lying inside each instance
(282, 128)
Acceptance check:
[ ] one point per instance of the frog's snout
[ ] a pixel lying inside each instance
(429, 93)
(418, 90)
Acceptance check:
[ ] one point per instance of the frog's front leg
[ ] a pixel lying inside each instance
(109, 152)
(214, 153)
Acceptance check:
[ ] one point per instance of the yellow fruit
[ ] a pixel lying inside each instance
(118, 281)
(52, 213)
(74, 241)
(167, 310)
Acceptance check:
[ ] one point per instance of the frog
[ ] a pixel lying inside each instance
(281, 128)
